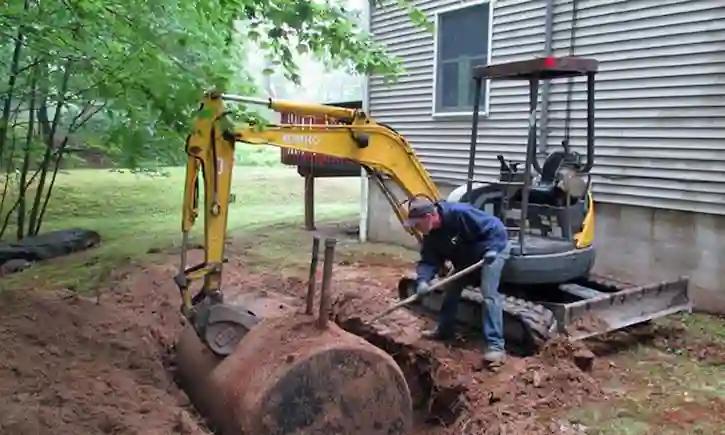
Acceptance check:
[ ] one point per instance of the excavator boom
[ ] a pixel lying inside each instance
(373, 146)
(296, 107)
(210, 149)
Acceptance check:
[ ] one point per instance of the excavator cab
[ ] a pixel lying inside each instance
(546, 206)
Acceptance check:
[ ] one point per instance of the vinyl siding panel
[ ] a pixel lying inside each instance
(660, 96)
(660, 99)
(442, 143)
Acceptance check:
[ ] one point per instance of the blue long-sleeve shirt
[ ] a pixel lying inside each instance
(465, 235)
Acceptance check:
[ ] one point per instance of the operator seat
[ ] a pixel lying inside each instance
(545, 191)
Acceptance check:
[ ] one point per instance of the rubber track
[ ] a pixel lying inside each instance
(537, 321)
(528, 325)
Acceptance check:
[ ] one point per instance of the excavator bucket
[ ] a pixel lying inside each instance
(580, 309)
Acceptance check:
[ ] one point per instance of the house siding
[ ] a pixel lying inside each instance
(660, 126)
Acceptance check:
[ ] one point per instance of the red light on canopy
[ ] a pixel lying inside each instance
(550, 62)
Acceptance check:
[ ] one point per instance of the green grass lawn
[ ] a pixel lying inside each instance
(670, 381)
(134, 212)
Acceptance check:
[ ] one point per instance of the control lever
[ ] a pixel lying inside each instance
(504, 165)
(510, 167)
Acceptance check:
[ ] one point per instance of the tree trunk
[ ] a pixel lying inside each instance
(49, 145)
(22, 186)
(14, 71)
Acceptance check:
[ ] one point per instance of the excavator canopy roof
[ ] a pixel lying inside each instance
(541, 69)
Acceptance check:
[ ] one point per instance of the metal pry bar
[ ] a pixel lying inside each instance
(447, 280)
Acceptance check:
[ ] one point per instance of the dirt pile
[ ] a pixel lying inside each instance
(525, 395)
(452, 389)
(588, 324)
(69, 366)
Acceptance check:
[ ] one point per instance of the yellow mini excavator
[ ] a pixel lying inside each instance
(548, 208)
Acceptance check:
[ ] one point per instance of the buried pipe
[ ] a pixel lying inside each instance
(324, 314)
(311, 284)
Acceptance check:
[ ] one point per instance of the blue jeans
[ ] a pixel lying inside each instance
(492, 320)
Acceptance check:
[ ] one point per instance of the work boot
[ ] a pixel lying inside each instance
(435, 334)
(494, 358)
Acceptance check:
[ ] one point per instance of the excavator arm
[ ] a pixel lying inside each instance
(210, 150)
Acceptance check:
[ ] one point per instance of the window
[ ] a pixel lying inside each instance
(463, 41)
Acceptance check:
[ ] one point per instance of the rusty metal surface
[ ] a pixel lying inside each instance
(324, 313)
(262, 303)
(290, 377)
(538, 69)
(194, 364)
(312, 275)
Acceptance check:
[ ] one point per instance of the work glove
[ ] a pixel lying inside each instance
(489, 257)
(422, 289)
(445, 270)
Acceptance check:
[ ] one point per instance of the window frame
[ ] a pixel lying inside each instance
(485, 104)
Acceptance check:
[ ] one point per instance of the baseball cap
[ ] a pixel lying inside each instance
(419, 208)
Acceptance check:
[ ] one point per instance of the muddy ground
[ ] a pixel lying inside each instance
(101, 364)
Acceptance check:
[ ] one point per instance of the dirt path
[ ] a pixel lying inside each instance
(71, 366)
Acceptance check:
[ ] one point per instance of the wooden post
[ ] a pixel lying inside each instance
(327, 263)
(311, 284)
(310, 202)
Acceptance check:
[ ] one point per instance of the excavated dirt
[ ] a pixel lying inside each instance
(453, 388)
(71, 366)
(588, 324)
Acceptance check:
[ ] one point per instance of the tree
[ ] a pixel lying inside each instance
(122, 78)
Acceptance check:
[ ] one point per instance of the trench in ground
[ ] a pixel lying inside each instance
(436, 399)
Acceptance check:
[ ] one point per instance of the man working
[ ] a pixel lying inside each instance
(464, 235)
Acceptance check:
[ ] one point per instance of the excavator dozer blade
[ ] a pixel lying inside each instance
(606, 305)
(583, 309)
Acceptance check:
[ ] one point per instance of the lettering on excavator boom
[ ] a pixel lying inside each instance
(305, 140)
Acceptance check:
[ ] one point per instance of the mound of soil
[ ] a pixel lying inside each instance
(463, 397)
(70, 366)
(521, 397)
